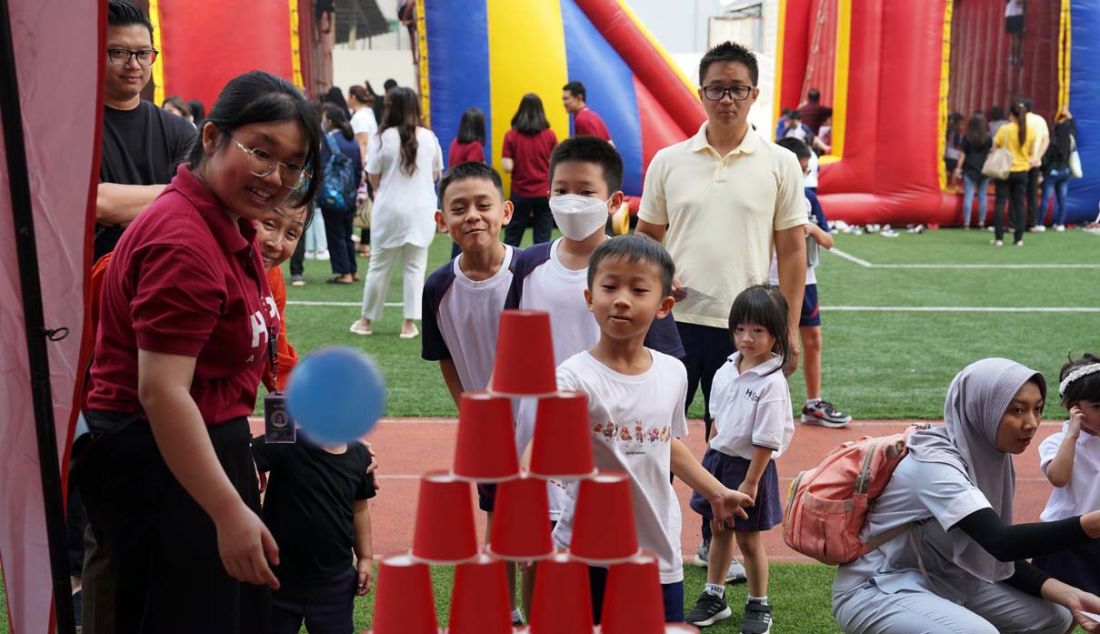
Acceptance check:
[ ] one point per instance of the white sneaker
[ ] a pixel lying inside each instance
(1059, 227)
(311, 255)
(323, 255)
(1038, 228)
(736, 573)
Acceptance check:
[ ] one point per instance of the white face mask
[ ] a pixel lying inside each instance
(578, 216)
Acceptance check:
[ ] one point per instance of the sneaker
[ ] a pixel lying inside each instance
(1038, 228)
(824, 414)
(736, 573)
(297, 280)
(1018, 243)
(997, 243)
(709, 609)
(758, 618)
(702, 555)
(323, 255)
(1059, 227)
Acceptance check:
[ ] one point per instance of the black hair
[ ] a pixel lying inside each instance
(403, 112)
(339, 120)
(336, 96)
(730, 52)
(977, 130)
(800, 149)
(198, 112)
(472, 126)
(813, 96)
(260, 97)
(576, 88)
(178, 103)
(127, 13)
(634, 248)
(530, 118)
(1086, 388)
(307, 220)
(996, 113)
(786, 112)
(795, 114)
(389, 85)
(1020, 110)
(467, 170)
(590, 149)
(826, 112)
(764, 306)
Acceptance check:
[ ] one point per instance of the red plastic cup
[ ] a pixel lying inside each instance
(521, 520)
(445, 532)
(632, 602)
(561, 447)
(525, 355)
(403, 603)
(486, 447)
(603, 522)
(480, 601)
(562, 603)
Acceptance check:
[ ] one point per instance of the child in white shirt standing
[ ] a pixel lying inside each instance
(1071, 461)
(752, 426)
(635, 403)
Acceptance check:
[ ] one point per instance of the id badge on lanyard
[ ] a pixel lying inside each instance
(278, 425)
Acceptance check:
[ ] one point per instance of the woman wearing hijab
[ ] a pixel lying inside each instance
(961, 568)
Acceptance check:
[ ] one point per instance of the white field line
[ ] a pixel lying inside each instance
(1040, 266)
(851, 309)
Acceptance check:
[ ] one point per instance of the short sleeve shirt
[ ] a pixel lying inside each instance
(362, 122)
(751, 409)
(530, 154)
(1008, 137)
(1080, 495)
(917, 492)
(186, 280)
(460, 153)
(721, 212)
(462, 318)
(405, 204)
(633, 421)
(587, 123)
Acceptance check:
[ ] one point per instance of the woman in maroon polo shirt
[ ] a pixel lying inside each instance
(187, 327)
(526, 155)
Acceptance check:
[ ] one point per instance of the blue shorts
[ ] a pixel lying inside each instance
(811, 310)
(767, 510)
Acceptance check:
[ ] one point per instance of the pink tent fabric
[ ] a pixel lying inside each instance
(58, 55)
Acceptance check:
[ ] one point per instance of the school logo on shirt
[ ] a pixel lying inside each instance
(631, 439)
(259, 329)
(752, 395)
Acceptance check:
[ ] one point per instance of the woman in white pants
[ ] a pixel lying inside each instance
(403, 162)
(961, 567)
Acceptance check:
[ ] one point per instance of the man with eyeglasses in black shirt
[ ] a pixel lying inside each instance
(142, 144)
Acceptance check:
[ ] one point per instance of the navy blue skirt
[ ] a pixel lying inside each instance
(730, 471)
(1078, 566)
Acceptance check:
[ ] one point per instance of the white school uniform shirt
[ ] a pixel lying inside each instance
(936, 494)
(462, 319)
(404, 205)
(633, 419)
(751, 409)
(1081, 495)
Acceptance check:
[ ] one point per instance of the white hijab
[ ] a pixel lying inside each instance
(977, 399)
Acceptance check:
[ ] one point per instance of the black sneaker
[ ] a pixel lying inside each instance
(758, 618)
(824, 414)
(709, 609)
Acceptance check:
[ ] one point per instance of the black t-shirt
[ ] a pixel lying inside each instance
(142, 146)
(309, 505)
(975, 157)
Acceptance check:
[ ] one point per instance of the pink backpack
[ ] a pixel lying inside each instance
(827, 505)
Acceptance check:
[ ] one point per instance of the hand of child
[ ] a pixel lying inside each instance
(366, 575)
(727, 505)
(1076, 419)
(749, 489)
(243, 542)
(1084, 607)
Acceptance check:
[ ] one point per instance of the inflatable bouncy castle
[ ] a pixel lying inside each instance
(489, 53)
(893, 71)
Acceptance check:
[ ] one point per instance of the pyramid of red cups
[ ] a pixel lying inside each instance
(485, 452)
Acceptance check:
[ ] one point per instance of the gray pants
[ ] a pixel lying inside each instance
(989, 608)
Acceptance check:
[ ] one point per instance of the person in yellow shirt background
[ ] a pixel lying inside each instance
(1019, 138)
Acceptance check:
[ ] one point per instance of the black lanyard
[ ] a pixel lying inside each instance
(272, 346)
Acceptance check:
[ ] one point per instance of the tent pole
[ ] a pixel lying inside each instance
(33, 320)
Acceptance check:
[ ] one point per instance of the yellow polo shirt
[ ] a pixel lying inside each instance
(1042, 134)
(721, 212)
(1008, 137)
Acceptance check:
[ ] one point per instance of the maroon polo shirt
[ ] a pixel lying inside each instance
(465, 153)
(531, 156)
(184, 280)
(588, 123)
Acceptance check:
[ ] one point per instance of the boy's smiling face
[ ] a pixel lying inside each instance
(626, 296)
(473, 213)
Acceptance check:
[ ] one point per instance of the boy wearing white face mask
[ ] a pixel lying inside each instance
(585, 175)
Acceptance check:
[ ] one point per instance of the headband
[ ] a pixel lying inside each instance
(1080, 372)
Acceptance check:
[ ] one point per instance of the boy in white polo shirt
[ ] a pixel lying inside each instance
(635, 405)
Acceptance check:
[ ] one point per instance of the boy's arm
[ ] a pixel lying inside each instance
(450, 377)
(761, 456)
(819, 235)
(364, 547)
(1060, 468)
(725, 503)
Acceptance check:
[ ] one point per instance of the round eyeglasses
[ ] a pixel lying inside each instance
(261, 165)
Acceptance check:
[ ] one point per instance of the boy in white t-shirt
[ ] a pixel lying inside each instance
(635, 400)
(463, 298)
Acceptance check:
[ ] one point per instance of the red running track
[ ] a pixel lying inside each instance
(410, 446)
